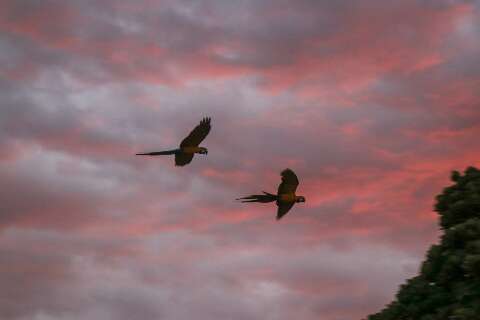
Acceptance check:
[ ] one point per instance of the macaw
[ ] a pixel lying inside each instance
(285, 197)
(189, 146)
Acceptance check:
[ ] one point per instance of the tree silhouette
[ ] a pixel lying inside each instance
(448, 286)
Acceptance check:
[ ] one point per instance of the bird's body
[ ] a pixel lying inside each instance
(190, 150)
(285, 197)
(189, 146)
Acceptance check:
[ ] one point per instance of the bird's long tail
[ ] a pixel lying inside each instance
(157, 153)
(263, 198)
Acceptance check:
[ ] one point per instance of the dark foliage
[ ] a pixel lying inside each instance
(448, 286)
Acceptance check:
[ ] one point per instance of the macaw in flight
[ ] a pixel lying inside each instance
(189, 146)
(285, 197)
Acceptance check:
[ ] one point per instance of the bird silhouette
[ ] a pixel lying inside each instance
(189, 146)
(285, 197)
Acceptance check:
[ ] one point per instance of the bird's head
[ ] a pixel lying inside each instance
(300, 199)
(203, 150)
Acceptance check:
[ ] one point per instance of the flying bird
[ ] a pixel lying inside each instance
(189, 146)
(285, 197)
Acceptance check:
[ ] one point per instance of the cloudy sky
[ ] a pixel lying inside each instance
(372, 103)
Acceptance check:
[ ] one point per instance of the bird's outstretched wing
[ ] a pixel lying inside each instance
(283, 208)
(198, 134)
(289, 182)
(182, 159)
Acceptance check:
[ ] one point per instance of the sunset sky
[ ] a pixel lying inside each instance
(372, 103)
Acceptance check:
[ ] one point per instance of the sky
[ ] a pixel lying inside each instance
(372, 103)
